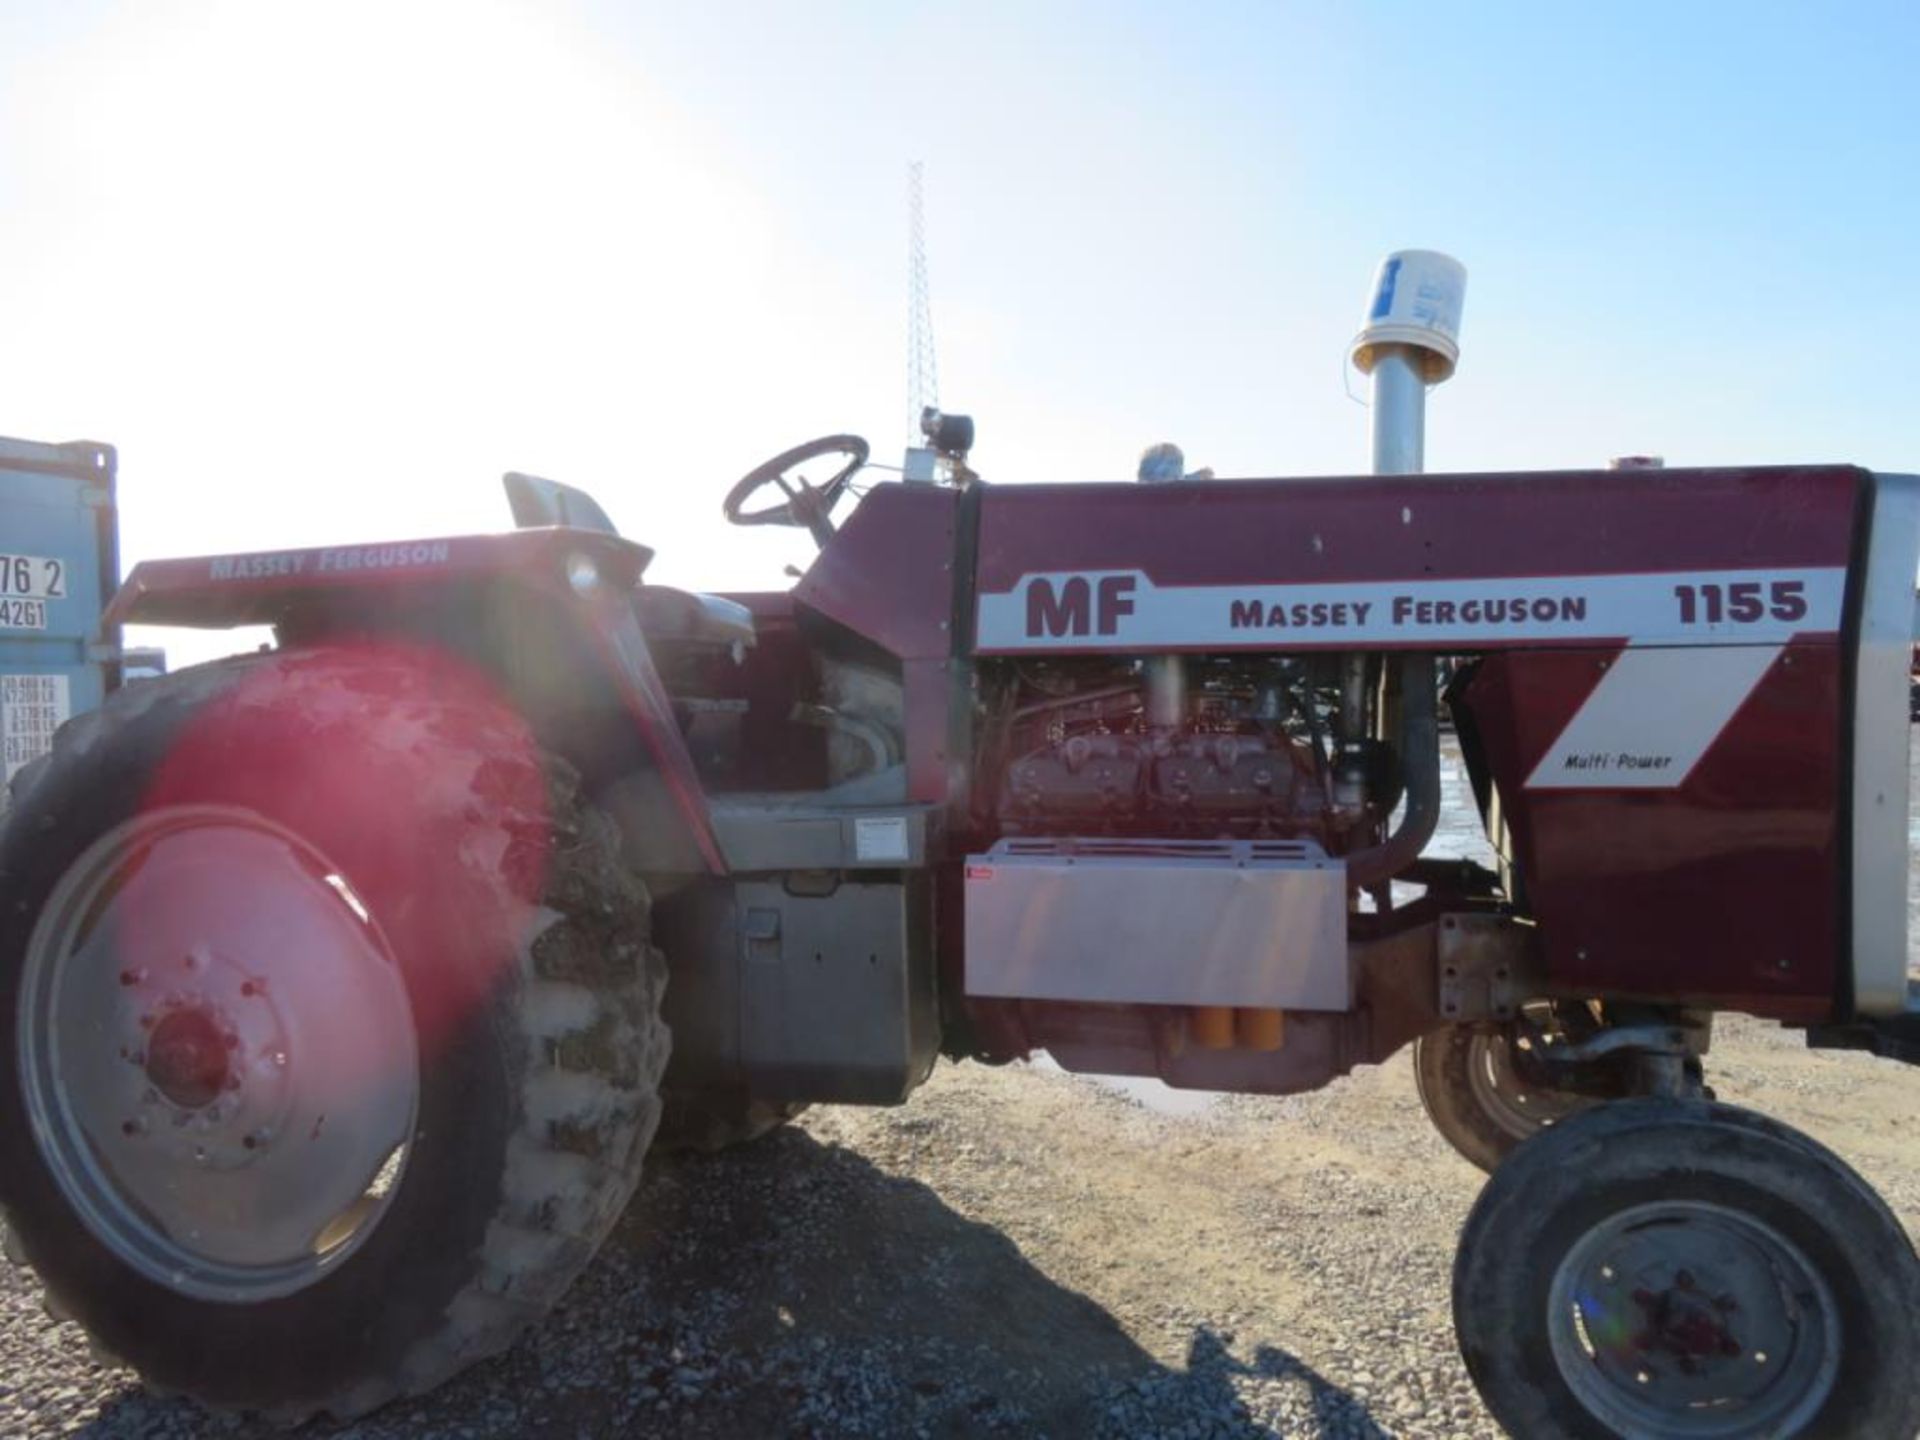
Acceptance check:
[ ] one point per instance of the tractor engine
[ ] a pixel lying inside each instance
(1200, 747)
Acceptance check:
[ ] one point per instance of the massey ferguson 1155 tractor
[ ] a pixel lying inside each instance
(348, 985)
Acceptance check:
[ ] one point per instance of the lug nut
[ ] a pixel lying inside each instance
(133, 1127)
(133, 975)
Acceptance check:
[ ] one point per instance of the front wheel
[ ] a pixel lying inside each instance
(1476, 1088)
(1681, 1270)
(330, 1044)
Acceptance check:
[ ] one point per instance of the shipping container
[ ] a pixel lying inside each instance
(59, 566)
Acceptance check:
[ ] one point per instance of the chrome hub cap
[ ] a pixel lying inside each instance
(1688, 1321)
(217, 1053)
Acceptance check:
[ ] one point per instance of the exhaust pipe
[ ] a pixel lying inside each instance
(1411, 340)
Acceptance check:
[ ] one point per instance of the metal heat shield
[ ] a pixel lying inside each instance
(1254, 923)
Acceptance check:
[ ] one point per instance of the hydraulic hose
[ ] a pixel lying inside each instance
(1419, 745)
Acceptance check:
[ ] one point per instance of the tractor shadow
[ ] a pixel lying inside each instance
(794, 1288)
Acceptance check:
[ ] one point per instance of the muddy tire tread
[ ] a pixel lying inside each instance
(589, 1082)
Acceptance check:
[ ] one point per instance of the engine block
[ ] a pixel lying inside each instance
(1188, 783)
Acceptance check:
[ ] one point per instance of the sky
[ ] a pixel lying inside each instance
(322, 272)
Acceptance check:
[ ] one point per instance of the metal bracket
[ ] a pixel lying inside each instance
(1648, 1039)
(1483, 966)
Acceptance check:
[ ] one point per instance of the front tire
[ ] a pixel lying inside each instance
(1474, 1088)
(267, 919)
(1681, 1270)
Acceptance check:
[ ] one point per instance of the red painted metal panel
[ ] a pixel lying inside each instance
(1724, 889)
(263, 588)
(888, 575)
(623, 646)
(1427, 527)
(258, 588)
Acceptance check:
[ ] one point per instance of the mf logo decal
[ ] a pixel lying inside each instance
(1078, 605)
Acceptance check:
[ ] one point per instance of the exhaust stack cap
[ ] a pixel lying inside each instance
(1417, 295)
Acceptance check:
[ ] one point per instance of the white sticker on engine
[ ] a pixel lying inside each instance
(32, 707)
(881, 838)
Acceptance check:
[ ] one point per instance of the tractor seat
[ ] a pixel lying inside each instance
(686, 618)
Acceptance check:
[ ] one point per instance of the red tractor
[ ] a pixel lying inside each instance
(348, 985)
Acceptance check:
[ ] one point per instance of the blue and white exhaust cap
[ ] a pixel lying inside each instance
(1417, 297)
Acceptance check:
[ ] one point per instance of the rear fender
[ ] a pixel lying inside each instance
(591, 576)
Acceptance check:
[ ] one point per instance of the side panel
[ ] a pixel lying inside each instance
(1259, 924)
(892, 577)
(1664, 699)
(1660, 860)
(1881, 740)
(824, 996)
(59, 564)
(888, 576)
(1458, 563)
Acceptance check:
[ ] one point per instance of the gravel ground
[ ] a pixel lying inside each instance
(1017, 1252)
(1020, 1253)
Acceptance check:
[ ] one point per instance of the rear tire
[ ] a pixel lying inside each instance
(529, 988)
(1679, 1270)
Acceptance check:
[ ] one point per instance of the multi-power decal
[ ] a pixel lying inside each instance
(1123, 610)
(1652, 716)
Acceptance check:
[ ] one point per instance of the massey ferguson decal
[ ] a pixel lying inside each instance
(291, 563)
(1122, 610)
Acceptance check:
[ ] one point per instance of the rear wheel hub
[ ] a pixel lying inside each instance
(187, 1058)
(218, 1053)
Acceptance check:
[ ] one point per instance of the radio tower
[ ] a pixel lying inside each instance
(923, 376)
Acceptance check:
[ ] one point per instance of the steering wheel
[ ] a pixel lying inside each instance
(805, 505)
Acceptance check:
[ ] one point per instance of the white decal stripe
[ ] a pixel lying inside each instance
(1122, 610)
(1651, 718)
